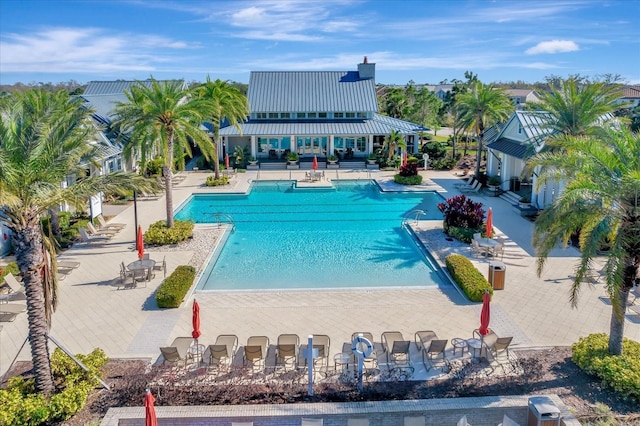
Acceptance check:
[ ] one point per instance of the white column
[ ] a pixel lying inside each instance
(254, 148)
(370, 144)
(330, 147)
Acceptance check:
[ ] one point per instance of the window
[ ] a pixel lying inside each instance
(351, 115)
(338, 115)
(273, 115)
(285, 115)
(301, 115)
(261, 115)
(322, 115)
(311, 115)
(361, 115)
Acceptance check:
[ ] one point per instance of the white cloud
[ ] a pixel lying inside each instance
(553, 46)
(85, 50)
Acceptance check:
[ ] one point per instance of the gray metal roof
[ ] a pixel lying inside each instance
(311, 91)
(510, 147)
(379, 125)
(104, 105)
(114, 87)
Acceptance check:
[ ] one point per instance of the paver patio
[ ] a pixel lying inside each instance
(127, 323)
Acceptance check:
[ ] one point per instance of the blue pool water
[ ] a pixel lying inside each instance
(285, 237)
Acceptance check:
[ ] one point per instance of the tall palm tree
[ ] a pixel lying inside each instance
(481, 107)
(44, 138)
(162, 118)
(602, 201)
(224, 101)
(394, 141)
(576, 108)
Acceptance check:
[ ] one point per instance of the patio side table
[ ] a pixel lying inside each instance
(459, 344)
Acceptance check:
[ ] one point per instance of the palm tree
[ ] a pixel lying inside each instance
(45, 137)
(394, 141)
(161, 119)
(481, 107)
(224, 101)
(576, 108)
(602, 201)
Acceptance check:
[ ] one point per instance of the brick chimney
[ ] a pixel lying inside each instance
(367, 71)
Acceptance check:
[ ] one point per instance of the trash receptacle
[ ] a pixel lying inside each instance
(514, 184)
(496, 274)
(543, 412)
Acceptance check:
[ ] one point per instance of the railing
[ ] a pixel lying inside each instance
(220, 219)
(417, 213)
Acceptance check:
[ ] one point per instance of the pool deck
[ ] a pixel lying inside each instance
(127, 323)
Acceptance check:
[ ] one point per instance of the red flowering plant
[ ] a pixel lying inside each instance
(462, 212)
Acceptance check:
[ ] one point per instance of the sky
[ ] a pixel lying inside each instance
(429, 42)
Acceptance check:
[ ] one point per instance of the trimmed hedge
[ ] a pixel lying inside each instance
(620, 372)
(11, 267)
(21, 405)
(172, 291)
(159, 234)
(212, 181)
(470, 280)
(408, 180)
(464, 234)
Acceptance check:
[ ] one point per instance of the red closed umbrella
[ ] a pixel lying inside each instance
(490, 222)
(404, 159)
(315, 163)
(226, 161)
(195, 320)
(485, 314)
(140, 243)
(150, 418)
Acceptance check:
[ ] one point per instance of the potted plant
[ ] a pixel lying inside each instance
(525, 200)
(493, 184)
(293, 157)
(372, 158)
(253, 161)
(332, 159)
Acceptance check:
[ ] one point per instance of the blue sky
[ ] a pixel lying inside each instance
(420, 40)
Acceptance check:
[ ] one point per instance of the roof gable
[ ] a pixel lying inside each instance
(311, 91)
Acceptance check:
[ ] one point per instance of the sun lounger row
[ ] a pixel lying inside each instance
(290, 353)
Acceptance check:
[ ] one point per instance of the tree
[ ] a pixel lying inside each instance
(222, 101)
(576, 107)
(425, 108)
(481, 107)
(395, 103)
(159, 119)
(394, 141)
(602, 202)
(45, 138)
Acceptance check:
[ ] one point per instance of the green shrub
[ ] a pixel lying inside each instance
(470, 280)
(464, 234)
(21, 405)
(212, 181)
(620, 372)
(11, 267)
(154, 167)
(408, 180)
(159, 234)
(447, 163)
(172, 291)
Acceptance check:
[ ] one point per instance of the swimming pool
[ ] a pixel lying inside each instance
(343, 237)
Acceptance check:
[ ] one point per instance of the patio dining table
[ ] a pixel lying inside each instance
(138, 266)
(488, 244)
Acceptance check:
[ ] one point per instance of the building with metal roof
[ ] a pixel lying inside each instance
(315, 113)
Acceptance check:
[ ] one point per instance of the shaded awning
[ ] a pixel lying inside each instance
(509, 147)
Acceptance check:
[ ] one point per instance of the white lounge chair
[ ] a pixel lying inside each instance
(467, 183)
(68, 264)
(508, 421)
(255, 351)
(9, 311)
(222, 351)
(396, 349)
(109, 225)
(90, 238)
(177, 352)
(287, 350)
(16, 291)
(475, 189)
(103, 232)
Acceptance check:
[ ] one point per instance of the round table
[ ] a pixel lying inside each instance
(141, 264)
(459, 343)
(196, 352)
(476, 345)
(341, 360)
